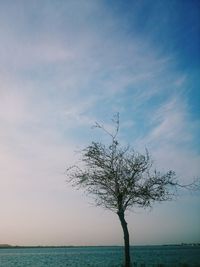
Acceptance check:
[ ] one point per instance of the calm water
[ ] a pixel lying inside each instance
(98, 256)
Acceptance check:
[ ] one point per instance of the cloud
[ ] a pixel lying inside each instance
(78, 56)
(171, 123)
(170, 139)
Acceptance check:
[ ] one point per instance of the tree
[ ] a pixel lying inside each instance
(119, 178)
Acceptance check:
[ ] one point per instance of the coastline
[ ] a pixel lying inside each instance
(8, 246)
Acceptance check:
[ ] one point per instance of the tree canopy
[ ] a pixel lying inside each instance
(119, 177)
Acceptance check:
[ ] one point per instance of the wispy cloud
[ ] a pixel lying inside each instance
(171, 123)
(170, 139)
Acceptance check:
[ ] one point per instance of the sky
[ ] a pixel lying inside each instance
(65, 65)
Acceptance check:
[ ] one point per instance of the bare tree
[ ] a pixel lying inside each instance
(120, 178)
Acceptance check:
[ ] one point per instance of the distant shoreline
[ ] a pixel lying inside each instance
(6, 246)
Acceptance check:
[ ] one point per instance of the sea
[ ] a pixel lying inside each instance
(148, 256)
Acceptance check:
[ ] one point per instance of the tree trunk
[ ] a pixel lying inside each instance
(126, 239)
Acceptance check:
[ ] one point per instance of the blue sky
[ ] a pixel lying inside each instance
(65, 65)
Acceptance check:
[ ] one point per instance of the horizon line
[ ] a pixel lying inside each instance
(78, 246)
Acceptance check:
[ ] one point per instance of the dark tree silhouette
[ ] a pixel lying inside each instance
(120, 178)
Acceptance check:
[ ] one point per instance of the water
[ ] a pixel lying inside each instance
(99, 256)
